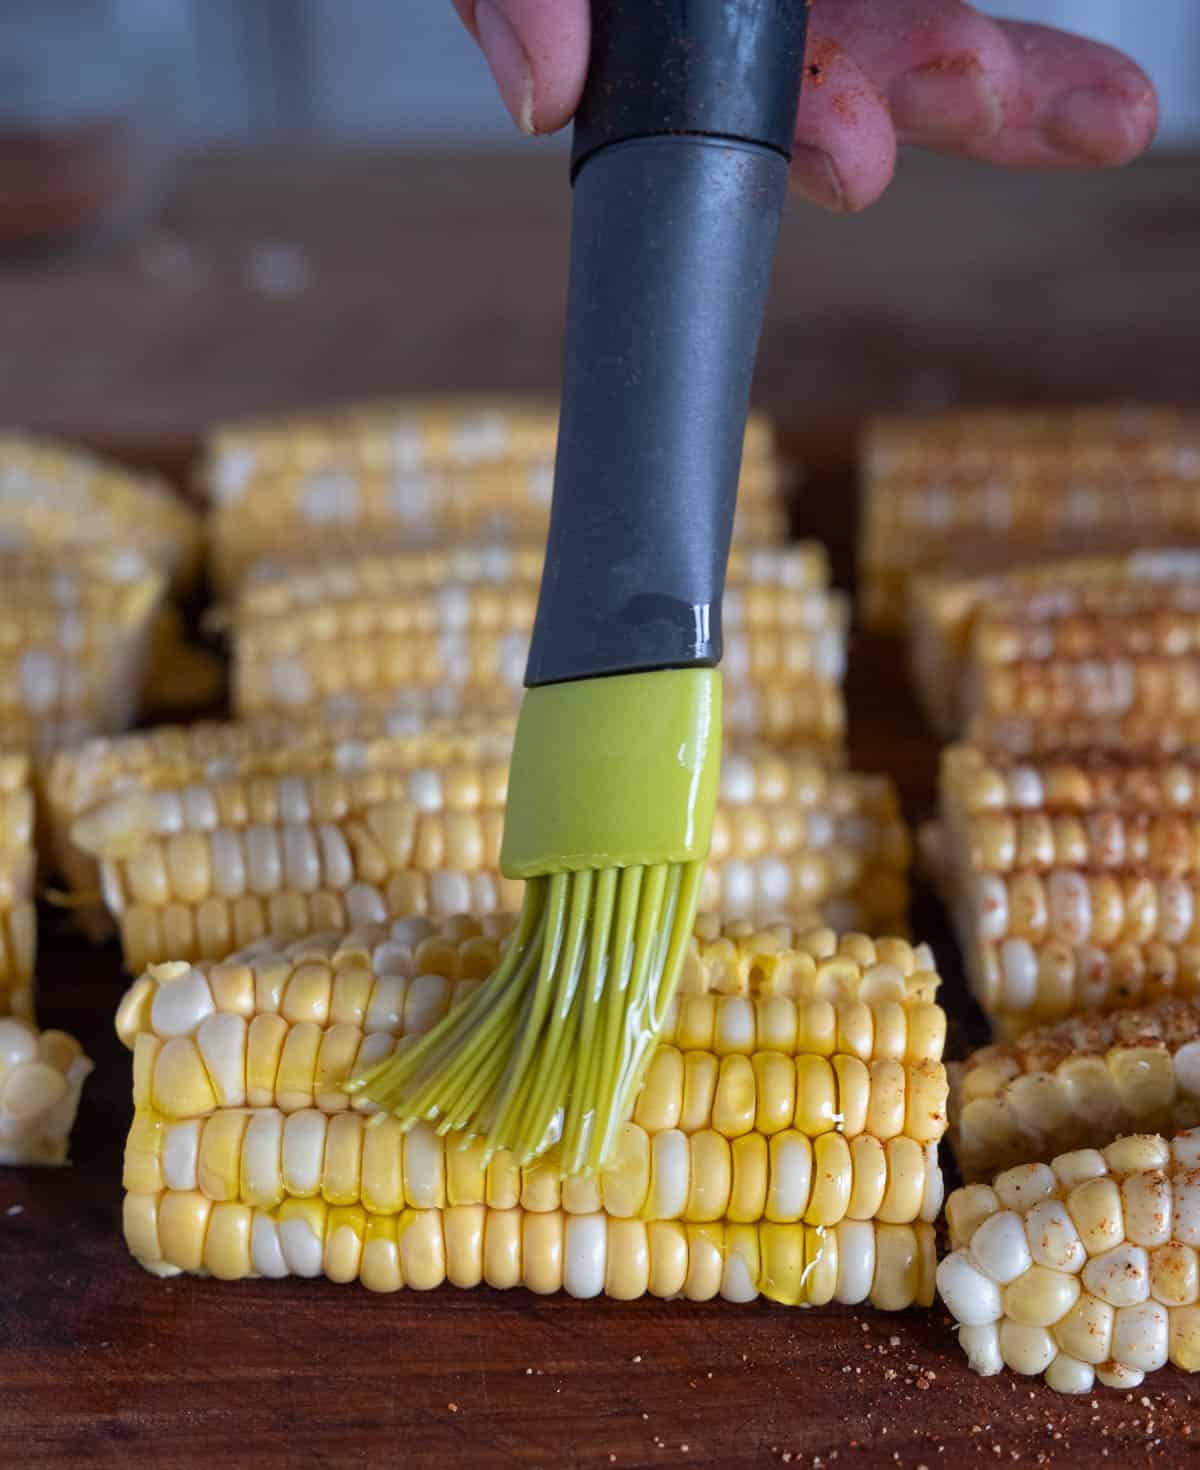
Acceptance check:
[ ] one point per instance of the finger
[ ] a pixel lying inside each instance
(948, 73)
(845, 150)
(538, 53)
(1079, 103)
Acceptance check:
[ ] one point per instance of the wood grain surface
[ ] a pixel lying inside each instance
(449, 274)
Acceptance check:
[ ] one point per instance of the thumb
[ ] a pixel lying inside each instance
(537, 51)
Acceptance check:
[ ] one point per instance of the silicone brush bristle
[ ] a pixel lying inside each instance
(549, 1051)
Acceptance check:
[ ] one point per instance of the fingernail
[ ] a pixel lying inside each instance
(1091, 125)
(945, 102)
(508, 61)
(814, 176)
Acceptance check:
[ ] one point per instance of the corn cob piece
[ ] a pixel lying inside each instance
(1073, 881)
(331, 639)
(889, 1266)
(1084, 1081)
(819, 1217)
(818, 1095)
(944, 609)
(78, 780)
(1082, 1269)
(58, 499)
(404, 474)
(75, 645)
(988, 491)
(194, 869)
(41, 1078)
(406, 434)
(1098, 665)
(887, 984)
(18, 863)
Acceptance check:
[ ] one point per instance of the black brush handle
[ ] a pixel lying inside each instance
(680, 160)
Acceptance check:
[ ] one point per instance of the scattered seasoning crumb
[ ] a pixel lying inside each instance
(893, 1341)
(453, 1408)
(15, 1210)
(685, 1448)
(637, 1358)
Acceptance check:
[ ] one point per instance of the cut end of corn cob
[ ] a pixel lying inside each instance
(1082, 1269)
(41, 1079)
(1086, 1080)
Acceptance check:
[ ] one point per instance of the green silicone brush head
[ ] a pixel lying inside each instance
(611, 802)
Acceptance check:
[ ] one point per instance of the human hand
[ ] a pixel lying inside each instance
(935, 73)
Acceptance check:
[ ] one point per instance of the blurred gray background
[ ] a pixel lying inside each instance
(406, 70)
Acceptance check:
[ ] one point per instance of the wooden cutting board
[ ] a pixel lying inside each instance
(440, 273)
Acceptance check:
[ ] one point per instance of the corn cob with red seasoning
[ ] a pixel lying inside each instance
(784, 1141)
(1096, 666)
(316, 839)
(1083, 1081)
(1082, 1269)
(1072, 880)
(945, 609)
(971, 491)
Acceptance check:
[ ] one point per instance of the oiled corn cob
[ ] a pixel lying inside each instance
(987, 491)
(261, 1156)
(18, 863)
(1083, 1081)
(743, 990)
(41, 1078)
(1100, 665)
(1081, 1269)
(814, 1105)
(714, 1149)
(1073, 881)
(75, 642)
(195, 869)
(407, 474)
(181, 756)
(56, 500)
(321, 641)
(945, 608)
(889, 1266)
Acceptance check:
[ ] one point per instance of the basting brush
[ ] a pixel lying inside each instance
(679, 169)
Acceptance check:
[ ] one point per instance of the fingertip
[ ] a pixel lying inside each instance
(537, 51)
(1102, 125)
(845, 146)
